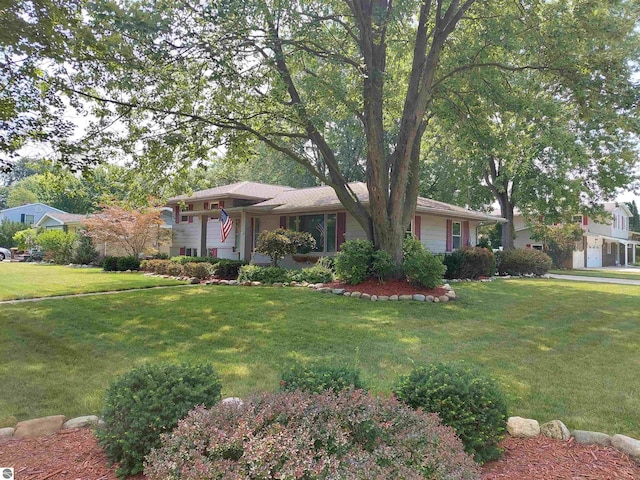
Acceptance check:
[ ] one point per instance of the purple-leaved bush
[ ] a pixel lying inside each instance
(297, 435)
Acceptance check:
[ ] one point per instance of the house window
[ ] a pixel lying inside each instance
(456, 235)
(191, 252)
(321, 227)
(608, 248)
(184, 218)
(256, 232)
(577, 219)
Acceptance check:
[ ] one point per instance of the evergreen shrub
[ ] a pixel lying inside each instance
(420, 266)
(465, 399)
(127, 263)
(266, 275)
(318, 378)
(147, 402)
(199, 270)
(353, 260)
(523, 261)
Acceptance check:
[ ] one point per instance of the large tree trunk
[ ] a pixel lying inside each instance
(508, 230)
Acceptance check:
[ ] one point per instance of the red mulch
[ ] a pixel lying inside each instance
(388, 287)
(75, 454)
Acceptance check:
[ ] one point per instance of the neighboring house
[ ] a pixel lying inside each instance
(256, 207)
(29, 214)
(70, 222)
(607, 241)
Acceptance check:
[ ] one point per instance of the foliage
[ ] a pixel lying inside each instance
(148, 401)
(634, 219)
(465, 399)
(523, 261)
(421, 267)
(7, 231)
(110, 263)
(84, 253)
(353, 261)
(158, 266)
(182, 259)
(559, 241)
(453, 262)
(382, 265)
(227, 269)
(280, 242)
(128, 229)
(198, 270)
(173, 269)
(26, 239)
(124, 264)
(319, 273)
(267, 275)
(57, 245)
(476, 262)
(318, 378)
(299, 435)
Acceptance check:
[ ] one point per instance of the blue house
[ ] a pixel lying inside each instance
(28, 214)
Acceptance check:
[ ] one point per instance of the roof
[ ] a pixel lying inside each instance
(31, 205)
(64, 218)
(317, 198)
(246, 190)
(611, 206)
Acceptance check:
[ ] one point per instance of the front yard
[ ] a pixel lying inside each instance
(562, 350)
(31, 280)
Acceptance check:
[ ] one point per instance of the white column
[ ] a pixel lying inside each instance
(626, 255)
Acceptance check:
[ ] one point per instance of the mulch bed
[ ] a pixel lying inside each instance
(388, 287)
(75, 454)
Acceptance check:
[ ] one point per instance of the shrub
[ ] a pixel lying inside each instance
(477, 262)
(453, 262)
(148, 401)
(57, 245)
(199, 270)
(26, 239)
(182, 259)
(127, 263)
(318, 378)
(156, 266)
(227, 269)
(422, 268)
(326, 262)
(299, 435)
(279, 243)
(523, 261)
(382, 265)
(353, 260)
(268, 275)
(110, 264)
(174, 269)
(316, 274)
(466, 400)
(84, 252)
(160, 256)
(7, 231)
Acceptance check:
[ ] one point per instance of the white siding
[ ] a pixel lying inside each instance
(354, 231)
(433, 233)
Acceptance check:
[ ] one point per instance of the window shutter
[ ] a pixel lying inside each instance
(176, 211)
(206, 205)
(182, 249)
(22, 218)
(465, 233)
(417, 226)
(213, 252)
(190, 208)
(585, 220)
(341, 228)
(449, 234)
(283, 222)
(221, 204)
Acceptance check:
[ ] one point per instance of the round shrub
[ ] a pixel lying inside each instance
(110, 264)
(127, 263)
(267, 275)
(148, 401)
(523, 261)
(174, 269)
(199, 270)
(382, 265)
(465, 399)
(316, 274)
(477, 262)
(300, 435)
(423, 269)
(318, 378)
(227, 269)
(353, 260)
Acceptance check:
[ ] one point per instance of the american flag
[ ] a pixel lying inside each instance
(226, 224)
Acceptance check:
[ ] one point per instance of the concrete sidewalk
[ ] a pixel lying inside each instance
(579, 278)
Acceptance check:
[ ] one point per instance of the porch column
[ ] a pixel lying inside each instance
(626, 255)
(245, 236)
(633, 253)
(203, 235)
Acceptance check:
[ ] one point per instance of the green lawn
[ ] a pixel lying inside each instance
(31, 280)
(563, 350)
(625, 274)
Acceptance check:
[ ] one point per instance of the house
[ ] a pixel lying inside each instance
(29, 214)
(607, 240)
(255, 207)
(71, 222)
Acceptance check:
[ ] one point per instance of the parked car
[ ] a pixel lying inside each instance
(4, 253)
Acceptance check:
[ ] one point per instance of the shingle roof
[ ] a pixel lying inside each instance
(64, 218)
(316, 198)
(246, 190)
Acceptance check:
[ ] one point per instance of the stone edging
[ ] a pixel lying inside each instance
(528, 428)
(320, 287)
(39, 427)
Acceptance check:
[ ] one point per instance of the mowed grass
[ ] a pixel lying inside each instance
(561, 350)
(33, 280)
(631, 274)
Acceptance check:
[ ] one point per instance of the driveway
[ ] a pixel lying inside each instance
(578, 278)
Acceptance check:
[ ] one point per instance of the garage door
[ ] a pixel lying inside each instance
(594, 256)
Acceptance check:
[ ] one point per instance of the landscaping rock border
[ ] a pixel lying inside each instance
(321, 288)
(527, 428)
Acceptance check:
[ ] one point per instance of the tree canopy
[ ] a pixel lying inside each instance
(182, 78)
